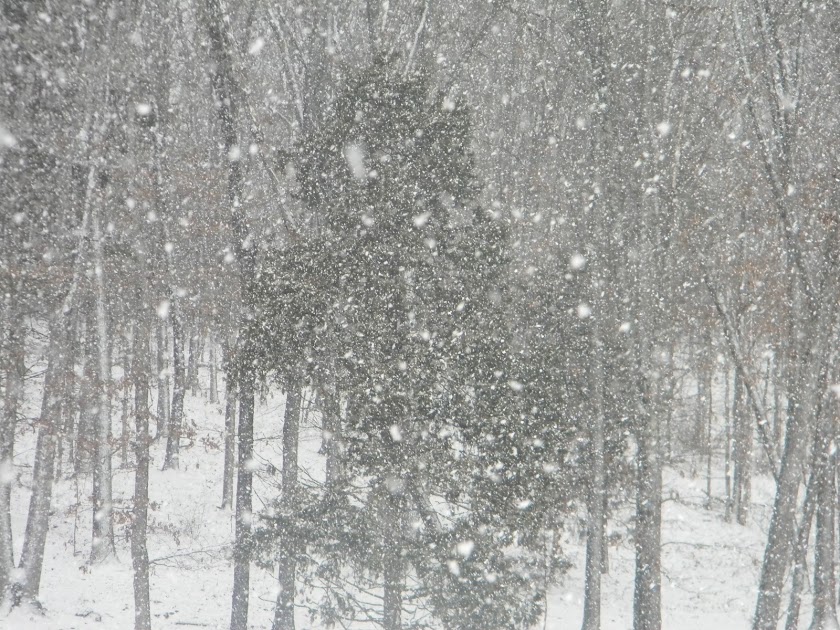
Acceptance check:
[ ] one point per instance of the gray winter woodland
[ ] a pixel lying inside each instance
(402, 314)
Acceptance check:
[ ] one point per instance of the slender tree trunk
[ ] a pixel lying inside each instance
(782, 534)
(825, 609)
(709, 434)
(647, 602)
(727, 448)
(741, 451)
(162, 383)
(230, 444)
(125, 432)
(214, 372)
(597, 492)
(284, 611)
(139, 524)
(226, 92)
(176, 418)
(102, 544)
(393, 570)
(84, 437)
(14, 365)
(332, 437)
(37, 523)
(243, 535)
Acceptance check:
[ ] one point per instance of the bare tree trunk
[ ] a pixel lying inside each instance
(782, 535)
(226, 92)
(230, 443)
(647, 594)
(85, 427)
(176, 418)
(244, 480)
(139, 524)
(741, 451)
(799, 568)
(162, 383)
(214, 372)
(102, 544)
(727, 448)
(825, 609)
(125, 432)
(709, 423)
(14, 364)
(284, 611)
(332, 436)
(597, 491)
(393, 570)
(37, 523)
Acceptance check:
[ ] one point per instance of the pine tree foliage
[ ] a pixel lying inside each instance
(402, 300)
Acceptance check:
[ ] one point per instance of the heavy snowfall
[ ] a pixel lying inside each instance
(419, 314)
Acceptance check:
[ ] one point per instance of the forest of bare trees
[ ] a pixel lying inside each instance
(515, 258)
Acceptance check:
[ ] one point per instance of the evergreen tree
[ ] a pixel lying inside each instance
(400, 300)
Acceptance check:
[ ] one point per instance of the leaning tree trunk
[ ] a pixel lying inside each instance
(781, 537)
(37, 522)
(139, 523)
(284, 611)
(799, 569)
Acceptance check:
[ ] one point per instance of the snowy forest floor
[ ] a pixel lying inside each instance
(710, 567)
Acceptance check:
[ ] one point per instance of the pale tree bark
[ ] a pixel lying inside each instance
(284, 610)
(799, 559)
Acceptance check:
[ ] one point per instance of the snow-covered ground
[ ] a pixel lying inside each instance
(710, 567)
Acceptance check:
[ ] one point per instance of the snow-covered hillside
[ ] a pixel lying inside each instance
(710, 567)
